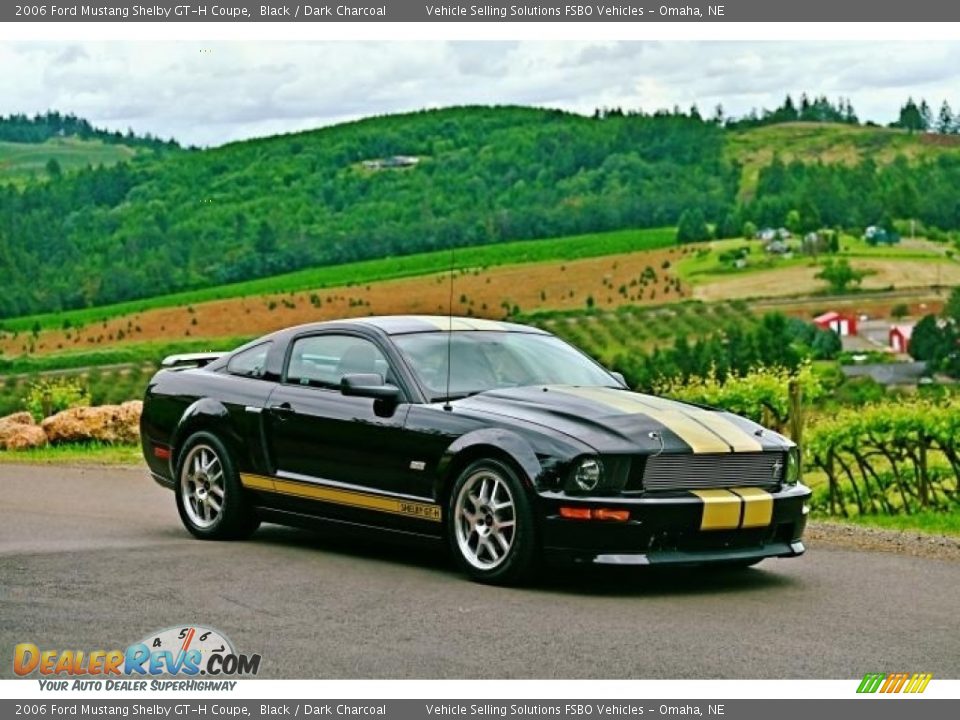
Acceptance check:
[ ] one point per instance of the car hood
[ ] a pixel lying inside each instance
(619, 421)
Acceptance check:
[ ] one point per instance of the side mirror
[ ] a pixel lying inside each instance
(618, 377)
(368, 385)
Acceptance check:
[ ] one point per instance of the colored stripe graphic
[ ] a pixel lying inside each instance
(336, 496)
(871, 682)
(892, 683)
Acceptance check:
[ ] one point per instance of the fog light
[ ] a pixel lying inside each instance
(588, 474)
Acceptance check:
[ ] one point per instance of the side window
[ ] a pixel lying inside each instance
(250, 362)
(321, 361)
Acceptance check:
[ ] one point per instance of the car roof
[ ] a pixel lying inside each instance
(406, 324)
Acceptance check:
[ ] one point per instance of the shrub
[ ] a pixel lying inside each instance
(48, 396)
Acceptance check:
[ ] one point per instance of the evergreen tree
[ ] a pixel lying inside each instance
(910, 117)
(926, 116)
(692, 226)
(945, 119)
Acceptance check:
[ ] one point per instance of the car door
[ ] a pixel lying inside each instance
(326, 446)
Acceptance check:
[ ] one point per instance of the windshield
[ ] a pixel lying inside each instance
(483, 360)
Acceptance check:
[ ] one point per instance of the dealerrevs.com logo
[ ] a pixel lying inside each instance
(186, 651)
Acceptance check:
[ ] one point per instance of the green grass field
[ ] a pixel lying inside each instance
(527, 251)
(706, 260)
(21, 161)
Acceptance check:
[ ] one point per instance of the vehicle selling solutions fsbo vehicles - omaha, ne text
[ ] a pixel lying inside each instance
(500, 439)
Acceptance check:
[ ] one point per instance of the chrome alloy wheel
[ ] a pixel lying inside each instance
(202, 486)
(485, 518)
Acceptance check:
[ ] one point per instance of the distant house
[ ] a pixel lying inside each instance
(840, 323)
(875, 235)
(766, 234)
(900, 338)
(778, 247)
(397, 161)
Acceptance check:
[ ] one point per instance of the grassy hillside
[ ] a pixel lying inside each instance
(829, 143)
(368, 271)
(22, 162)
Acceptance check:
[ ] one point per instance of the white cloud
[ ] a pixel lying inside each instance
(217, 92)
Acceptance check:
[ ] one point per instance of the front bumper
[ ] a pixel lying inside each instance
(681, 528)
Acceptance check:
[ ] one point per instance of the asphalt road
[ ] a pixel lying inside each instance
(96, 559)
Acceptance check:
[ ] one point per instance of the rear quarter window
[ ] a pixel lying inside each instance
(251, 362)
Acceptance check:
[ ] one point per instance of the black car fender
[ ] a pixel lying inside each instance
(488, 442)
(204, 414)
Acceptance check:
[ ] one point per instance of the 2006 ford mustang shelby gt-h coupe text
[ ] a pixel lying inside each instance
(501, 439)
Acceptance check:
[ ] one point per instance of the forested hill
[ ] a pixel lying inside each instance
(342, 193)
(428, 180)
(19, 128)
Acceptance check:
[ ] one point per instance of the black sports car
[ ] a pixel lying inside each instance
(500, 439)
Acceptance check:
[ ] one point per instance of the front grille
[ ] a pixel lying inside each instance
(699, 472)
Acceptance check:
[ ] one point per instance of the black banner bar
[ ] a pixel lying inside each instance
(611, 11)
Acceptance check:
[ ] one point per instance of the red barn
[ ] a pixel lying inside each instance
(900, 338)
(841, 324)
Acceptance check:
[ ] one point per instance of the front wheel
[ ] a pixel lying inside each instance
(490, 525)
(210, 498)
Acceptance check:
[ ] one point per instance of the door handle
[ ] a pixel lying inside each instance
(282, 410)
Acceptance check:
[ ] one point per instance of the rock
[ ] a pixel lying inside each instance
(18, 418)
(20, 435)
(104, 423)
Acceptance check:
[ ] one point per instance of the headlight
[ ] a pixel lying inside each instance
(792, 474)
(588, 473)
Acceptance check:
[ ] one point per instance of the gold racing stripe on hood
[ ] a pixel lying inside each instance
(721, 509)
(757, 507)
(738, 438)
(701, 438)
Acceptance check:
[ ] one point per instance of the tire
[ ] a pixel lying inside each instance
(211, 501)
(490, 527)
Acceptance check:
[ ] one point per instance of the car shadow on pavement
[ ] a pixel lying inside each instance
(572, 579)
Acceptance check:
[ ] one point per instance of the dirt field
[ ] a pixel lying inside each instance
(799, 280)
(483, 293)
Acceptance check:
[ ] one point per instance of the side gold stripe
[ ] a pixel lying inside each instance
(721, 509)
(349, 498)
(257, 482)
(757, 507)
(699, 438)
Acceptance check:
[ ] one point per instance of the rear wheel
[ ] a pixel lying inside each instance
(210, 498)
(490, 524)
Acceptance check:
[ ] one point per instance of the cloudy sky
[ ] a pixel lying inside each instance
(208, 94)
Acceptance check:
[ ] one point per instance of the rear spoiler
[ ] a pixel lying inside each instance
(191, 359)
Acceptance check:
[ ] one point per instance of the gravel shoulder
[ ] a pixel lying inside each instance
(902, 542)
